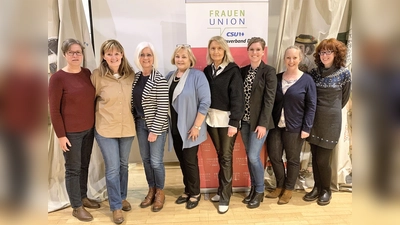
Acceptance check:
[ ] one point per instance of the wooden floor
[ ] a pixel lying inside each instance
(296, 212)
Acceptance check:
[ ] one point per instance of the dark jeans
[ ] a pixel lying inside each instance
(77, 164)
(278, 140)
(189, 165)
(321, 165)
(224, 146)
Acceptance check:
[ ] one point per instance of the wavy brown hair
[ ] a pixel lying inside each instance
(125, 69)
(339, 49)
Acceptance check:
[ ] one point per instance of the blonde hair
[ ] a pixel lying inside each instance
(227, 52)
(124, 69)
(294, 47)
(192, 58)
(139, 49)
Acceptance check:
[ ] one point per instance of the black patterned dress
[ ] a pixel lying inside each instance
(333, 92)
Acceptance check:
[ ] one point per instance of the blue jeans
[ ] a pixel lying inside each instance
(152, 154)
(77, 164)
(253, 147)
(116, 158)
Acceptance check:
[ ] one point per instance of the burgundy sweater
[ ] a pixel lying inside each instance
(72, 101)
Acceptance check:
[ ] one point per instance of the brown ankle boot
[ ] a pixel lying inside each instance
(274, 194)
(286, 196)
(149, 199)
(81, 214)
(118, 217)
(158, 201)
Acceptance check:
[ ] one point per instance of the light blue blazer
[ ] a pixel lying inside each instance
(191, 96)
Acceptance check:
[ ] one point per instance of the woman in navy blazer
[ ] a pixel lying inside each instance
(259, 90)
(293, 114)
(189, 98)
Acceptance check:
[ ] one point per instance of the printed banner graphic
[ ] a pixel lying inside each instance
(236, 22)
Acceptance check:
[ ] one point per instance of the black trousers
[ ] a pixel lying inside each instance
(77, 165)
(278, 140)
(322, 172)
(188, 162)
(224, 146)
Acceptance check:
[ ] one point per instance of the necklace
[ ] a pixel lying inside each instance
(290, 81)
(176, 79)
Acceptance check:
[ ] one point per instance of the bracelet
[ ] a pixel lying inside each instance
(198, 128)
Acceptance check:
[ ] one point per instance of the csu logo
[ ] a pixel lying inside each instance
(235, 34)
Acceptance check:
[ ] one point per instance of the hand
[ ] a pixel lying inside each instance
(64, 144)
(261, 131)
(193, 133)
(152, 137)
(304, 135)
(232, 131)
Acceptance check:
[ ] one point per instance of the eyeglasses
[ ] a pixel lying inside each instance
(144, 55)
(183, 45)
(73, 53)
(329, 52)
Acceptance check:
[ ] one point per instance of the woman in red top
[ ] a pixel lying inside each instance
(72, 105)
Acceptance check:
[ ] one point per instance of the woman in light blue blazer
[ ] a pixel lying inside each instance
(189, 98)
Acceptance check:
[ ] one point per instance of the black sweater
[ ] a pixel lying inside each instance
(227, 93)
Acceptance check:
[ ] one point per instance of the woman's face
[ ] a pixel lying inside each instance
(216, 51)
(113, 58)
(292, 58)
(182, 61)
(327, 57)
(255, 52)
(74, 55)
(146, 58)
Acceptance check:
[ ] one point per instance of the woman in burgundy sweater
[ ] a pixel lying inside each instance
(72, 105)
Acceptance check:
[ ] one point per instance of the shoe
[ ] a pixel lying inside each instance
(149, 199)
(81, 214)
(159, 200)
(118, 217)
(250, 196)
(126, 206)
(182, 199)
(312, 195)
(91, 204)
(223, 209)
(275, 193)
(215, 198)
(256, 200)
(325, 197)
(285, 197)
(193, 201)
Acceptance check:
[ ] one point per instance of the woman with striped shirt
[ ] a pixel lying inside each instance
(150, 110)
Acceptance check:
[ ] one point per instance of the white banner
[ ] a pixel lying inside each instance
(235, 21)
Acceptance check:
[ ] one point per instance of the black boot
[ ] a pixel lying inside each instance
(256, 200)
(250, 196)
(312, 195)
(325, 197)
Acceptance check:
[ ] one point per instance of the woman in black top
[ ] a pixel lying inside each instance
(259, 81)
(225, 113)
